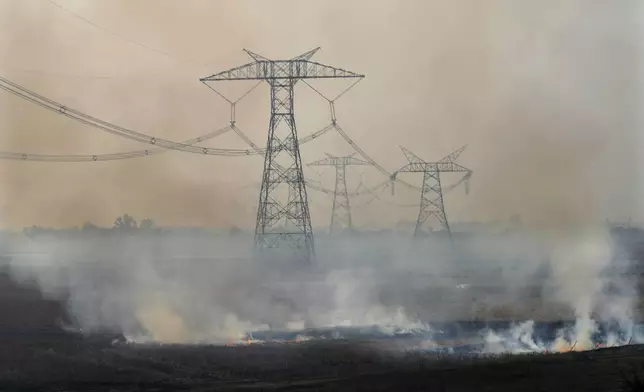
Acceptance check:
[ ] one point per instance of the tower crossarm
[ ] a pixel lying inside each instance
(454, 155)
(431, 194)
(298, 68)
(442, 166)
(340, 161)
(445, 165)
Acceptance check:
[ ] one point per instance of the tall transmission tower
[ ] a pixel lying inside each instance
(341, 211)
(282, 161)
(431, 195)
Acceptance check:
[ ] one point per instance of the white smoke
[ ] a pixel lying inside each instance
(518, 339)
(141, 287)
(581, 274)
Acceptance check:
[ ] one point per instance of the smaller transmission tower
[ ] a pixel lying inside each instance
(431, 195)
(341, 211)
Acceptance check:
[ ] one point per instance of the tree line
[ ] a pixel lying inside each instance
(125, 224)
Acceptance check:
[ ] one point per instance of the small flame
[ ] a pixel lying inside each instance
(563, 346)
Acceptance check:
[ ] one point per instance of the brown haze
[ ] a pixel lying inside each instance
(546, 94)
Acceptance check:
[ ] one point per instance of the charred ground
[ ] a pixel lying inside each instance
(49, 361)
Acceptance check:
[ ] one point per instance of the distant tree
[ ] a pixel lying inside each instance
(125, 222)
(89, 226)
(147, 224)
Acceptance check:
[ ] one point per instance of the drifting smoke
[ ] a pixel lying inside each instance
(121, 287)
(544, 96)
(519, 339)
(144, 287)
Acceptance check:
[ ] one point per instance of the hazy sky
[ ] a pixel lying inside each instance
(546, 93)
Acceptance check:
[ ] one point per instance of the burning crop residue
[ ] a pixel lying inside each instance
(519, 338)
(413, 300)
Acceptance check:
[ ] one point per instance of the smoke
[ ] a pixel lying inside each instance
(144, 288)
(590, 276)
(519, 339)
(168, 287)
(543, 94)
(535, 90)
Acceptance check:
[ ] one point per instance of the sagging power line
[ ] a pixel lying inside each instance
(281, 75)
(50, 104)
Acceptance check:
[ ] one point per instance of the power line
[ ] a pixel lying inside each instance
(81, 117)
(187, 146)
(137, 153)
(56, 107)
(308, 182)
(105, 157)
(122, 37)
(162, 52)
(350, 141)
(312, 184)
(87, 77)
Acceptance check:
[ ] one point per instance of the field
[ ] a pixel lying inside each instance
(39, 355)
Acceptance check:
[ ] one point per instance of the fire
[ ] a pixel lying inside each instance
(240, 340)
(563, 346)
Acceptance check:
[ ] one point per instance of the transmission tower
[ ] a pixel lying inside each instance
(341, 211)
(282, 161)
(431, 195)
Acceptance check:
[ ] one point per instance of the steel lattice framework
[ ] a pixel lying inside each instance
(282, 223)
(431, 195)
(341, 210)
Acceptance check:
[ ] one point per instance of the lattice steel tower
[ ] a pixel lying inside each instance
(431, 195)
(341, 211)
(281, 222)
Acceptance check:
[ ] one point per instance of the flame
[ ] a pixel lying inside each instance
(563, 346)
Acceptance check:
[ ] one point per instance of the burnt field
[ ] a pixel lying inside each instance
(55, 361)
(40, 355)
